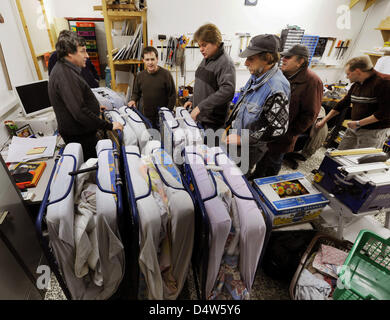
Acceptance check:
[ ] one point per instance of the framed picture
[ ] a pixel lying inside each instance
(24, 132)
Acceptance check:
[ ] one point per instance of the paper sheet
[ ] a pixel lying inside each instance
(20, 147)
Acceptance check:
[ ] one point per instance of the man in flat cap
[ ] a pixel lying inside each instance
(305, 104)
(262, 107)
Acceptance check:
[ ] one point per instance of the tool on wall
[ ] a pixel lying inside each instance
(345, 48)
(339, 46)
(331, 48)
(242, 36)
(227, 46)
(184, 41)
(248, 36)
(192, 45)
(320, 48)
(162, 38)
(170, 57)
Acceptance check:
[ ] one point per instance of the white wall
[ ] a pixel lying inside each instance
(369, 37)
(72, 8)
(15, 47)
(177, 17)
(18, 59)
(269, 16)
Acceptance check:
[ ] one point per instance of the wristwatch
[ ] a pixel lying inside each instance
(358, 124)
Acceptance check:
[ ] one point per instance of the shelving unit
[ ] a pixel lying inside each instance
(311, 43)
(87, 30)
(121, 12)
(384, 28)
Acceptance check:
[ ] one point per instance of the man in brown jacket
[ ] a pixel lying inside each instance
(305, 104)
(369, 97)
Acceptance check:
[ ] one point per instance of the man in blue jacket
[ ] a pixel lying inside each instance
(263, 106)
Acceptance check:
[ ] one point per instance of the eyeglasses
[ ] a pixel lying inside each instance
(287, 57)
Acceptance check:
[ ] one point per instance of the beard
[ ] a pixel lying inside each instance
(258, 72)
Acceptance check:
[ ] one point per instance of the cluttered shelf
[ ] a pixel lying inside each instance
(123, 14)
(130, 61)
(30, 161)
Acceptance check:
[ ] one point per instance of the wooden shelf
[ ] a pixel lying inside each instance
(113, 13)
(374, 54)
(122, 87)
(116, 6)
(384, 28)
(374, 57)
(121, 62)
(123, 14)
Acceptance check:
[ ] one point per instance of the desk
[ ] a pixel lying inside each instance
(40, 189)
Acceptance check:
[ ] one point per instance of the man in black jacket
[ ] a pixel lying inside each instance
(215, 80)
(89, 73)
(76, 108)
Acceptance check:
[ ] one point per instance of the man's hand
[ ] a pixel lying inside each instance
(195, 113)
(103, 108)
(352, 124)
(188, 104)
(132, 104)
(233, 139)
(117, 126)
(320, 124)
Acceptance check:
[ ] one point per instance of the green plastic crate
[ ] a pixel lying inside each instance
(366, 271)
(85, 29)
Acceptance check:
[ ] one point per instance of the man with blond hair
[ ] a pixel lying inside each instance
(215, 80)
(370, 100)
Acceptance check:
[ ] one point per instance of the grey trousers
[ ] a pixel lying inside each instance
(245, 156)
(363, 138)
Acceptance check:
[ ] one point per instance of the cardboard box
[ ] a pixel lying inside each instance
(291, 198)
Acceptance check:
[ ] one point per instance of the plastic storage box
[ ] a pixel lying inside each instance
(291, 198)
(86, 33)
(366, 271)
(85, 24)
(91, 44)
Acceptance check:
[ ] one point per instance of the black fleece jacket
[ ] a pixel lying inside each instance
(76, 107)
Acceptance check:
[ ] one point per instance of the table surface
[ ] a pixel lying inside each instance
(40, 189)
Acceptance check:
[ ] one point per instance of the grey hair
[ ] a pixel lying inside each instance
(305, 61)
(68, 41)
(363, 63)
